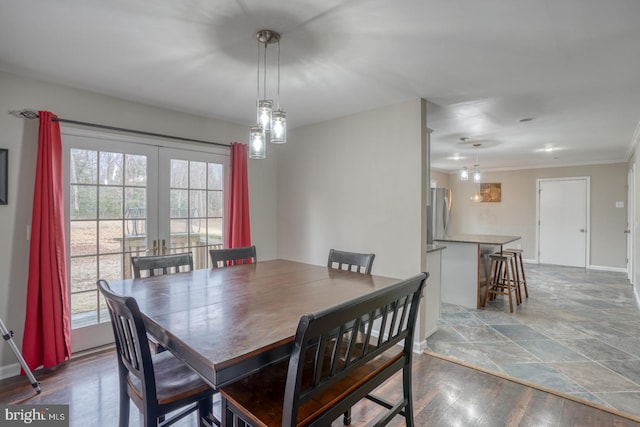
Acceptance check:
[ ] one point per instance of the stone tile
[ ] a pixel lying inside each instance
(445, 333)
(480, 333)
(551, 351)
(595, 349)
(465, 352)
(519, 332)
(543, 375)
(493, 317)
(559, 331)
(629, 369)
(502, 353)
(595, 378)
(628, 344)
(460, 318)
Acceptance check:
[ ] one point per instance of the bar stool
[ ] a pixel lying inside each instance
(502, 280)
(519, 270)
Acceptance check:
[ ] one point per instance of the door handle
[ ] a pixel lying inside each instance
(627, 231)
(164, 247)
(582, 230)
(155, 247)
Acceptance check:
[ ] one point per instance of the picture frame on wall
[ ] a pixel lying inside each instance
(491, 192)
(4, 175)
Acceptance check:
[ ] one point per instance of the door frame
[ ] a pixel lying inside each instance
(631, 221)
(94, 336)
(588, 214)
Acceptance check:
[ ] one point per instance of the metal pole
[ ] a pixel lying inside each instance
(8, 337)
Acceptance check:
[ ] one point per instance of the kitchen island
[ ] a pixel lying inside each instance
(465, 266)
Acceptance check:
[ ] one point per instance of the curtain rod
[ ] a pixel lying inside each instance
(31, 114)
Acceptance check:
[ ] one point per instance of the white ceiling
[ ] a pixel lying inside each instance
(573, 65)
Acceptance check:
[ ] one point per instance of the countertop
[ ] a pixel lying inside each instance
(486, 239)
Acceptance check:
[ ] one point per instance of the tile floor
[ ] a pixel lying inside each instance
(577, 333)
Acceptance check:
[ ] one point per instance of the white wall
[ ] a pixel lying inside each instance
(354, 183)
(516, 214)
(20, 137)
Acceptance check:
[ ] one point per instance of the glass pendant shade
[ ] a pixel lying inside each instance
(257, 146)
(265, 108)
(476, 176)
(464, 174)
(278, 127)
(477, 197)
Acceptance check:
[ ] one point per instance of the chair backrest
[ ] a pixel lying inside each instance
(234, 256)
(161, 264)
(330, 345)
(352, 261)
(131, 341)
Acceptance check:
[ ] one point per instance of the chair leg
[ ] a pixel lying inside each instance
(346, 419)
(524, 279)
(205, 413)
(123, 417)
(406, 389)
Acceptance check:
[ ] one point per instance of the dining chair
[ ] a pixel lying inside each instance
(352, 261)
(161, 264)
(158, 384)
(233, 256)
(331, 368)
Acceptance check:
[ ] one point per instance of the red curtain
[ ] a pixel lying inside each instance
(46, 338)
(239, 228)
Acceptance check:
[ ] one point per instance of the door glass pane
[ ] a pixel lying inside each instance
(107, 212)
(196, 208)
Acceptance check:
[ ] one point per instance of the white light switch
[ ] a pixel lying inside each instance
(619, 204)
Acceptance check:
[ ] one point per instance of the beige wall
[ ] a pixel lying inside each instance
(20, 137)
(354, 183)
(516, 214)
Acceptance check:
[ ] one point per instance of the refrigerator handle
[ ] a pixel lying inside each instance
(445, 214)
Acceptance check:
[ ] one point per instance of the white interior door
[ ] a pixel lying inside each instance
(563, 218)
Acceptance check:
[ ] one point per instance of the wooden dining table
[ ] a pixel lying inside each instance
(230, 322)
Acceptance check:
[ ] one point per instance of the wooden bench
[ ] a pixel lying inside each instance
(340, 355)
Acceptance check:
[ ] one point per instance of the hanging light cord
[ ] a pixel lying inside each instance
(258, 75)
(264, 88)
(278, 74)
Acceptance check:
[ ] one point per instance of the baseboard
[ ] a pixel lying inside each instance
(590, 267)
(606, 268)
(9, 371)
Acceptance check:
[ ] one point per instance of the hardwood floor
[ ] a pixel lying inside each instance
(445, 394)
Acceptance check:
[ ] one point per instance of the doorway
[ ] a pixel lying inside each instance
(563, 221)
(130, 196)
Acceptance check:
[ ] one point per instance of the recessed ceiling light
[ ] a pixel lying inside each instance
(526, 119)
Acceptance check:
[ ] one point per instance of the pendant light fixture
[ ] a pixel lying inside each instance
(477, 197)
(464, 172)
(271, 125)
(476, 173)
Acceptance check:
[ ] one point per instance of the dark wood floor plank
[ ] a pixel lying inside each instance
(445, 394)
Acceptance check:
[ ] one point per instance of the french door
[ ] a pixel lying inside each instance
(128, 197)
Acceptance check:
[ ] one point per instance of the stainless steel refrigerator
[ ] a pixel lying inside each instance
(438, 214)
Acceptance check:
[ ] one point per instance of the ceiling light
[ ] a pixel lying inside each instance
(272, 124)
(464, 174)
